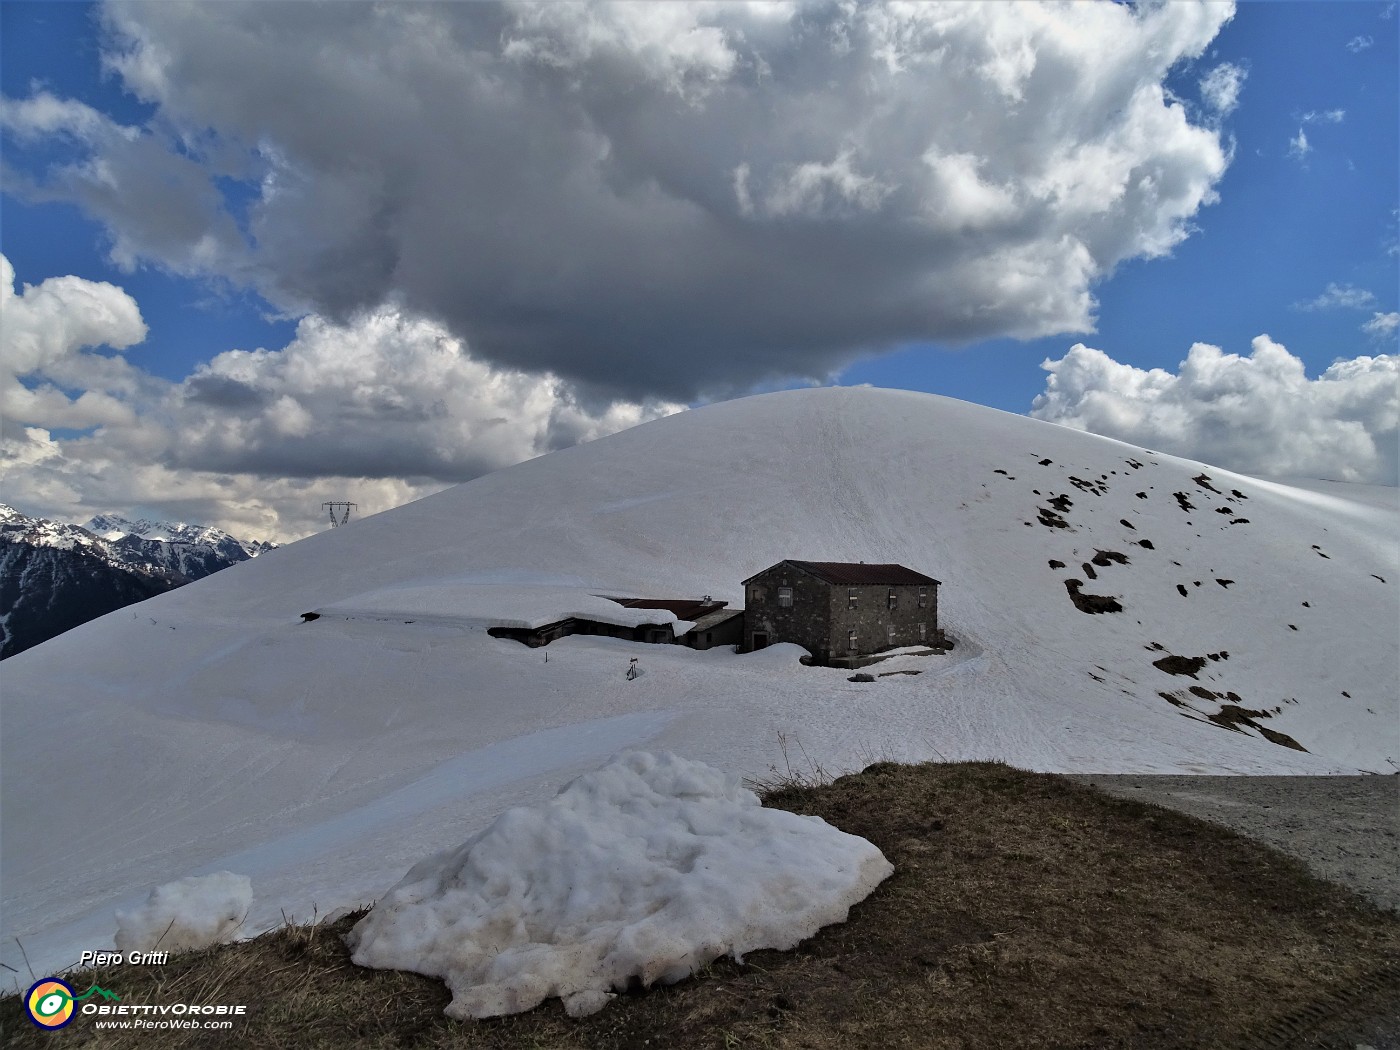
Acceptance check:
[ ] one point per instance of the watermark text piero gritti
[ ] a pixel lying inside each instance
(117, 958)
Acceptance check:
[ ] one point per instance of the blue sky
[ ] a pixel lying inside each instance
(1299, 241)
(55, 46)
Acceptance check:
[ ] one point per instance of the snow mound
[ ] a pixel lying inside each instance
(186, 914)
(645, 869)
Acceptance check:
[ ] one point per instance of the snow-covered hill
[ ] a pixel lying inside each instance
(54, 575)
(324, 757)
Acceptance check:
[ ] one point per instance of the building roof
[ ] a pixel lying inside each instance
(856, 573)
(683, 608)
(711, 620)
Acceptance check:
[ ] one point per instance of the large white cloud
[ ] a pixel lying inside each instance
(665, 199)
(384, 396)
(46, 333)
(1258, 414)
(379, 410)
(47, 323)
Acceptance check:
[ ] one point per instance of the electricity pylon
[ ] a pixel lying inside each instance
(343, 508)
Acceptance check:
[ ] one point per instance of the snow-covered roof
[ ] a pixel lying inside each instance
(494, 605)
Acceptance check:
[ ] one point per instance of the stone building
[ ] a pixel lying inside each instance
(840, 612)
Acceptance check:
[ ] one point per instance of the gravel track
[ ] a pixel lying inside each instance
(1345, 829)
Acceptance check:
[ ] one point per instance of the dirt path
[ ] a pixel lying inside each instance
(1346, 829)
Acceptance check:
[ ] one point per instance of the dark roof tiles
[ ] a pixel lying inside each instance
(857, 573)
(683, 608)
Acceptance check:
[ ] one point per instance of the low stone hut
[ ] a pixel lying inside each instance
(714, 624)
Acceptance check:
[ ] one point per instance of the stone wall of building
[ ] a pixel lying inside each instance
(726, 628)
(872, 618)
(806, 622)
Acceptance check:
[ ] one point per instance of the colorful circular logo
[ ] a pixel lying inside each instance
(49, 1003)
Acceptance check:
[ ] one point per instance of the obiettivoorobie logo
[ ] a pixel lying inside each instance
(49, 1003)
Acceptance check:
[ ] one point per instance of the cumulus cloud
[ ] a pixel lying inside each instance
(1324, 116)
(71, 480)
(650, 200)
(1298, 145)
(1339, 296)
(1382, 325)
(379, 409)
(386, 395)
(48, 322)
(1220, 88)
(47, 333)
(157, 202)
(1258, 414)
(1359, 43)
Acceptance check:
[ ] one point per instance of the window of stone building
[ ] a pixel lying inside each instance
(851, 640)
(890, 631)
(852, 598)
(923, 597)
(785, 597)
(755, 593)
(894, 598)
(923, 632)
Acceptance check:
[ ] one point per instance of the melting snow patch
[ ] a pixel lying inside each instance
(644, 870)
(187, 914)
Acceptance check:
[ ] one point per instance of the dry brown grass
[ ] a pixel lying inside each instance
(1025, 911)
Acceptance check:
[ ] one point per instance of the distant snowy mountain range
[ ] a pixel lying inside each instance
(55, 576)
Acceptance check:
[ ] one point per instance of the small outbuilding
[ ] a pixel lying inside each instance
(843, 613)
(713, 624)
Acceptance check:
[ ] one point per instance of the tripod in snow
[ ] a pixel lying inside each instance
(632, 669)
